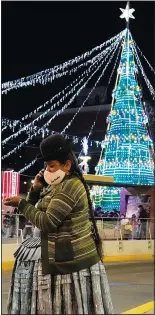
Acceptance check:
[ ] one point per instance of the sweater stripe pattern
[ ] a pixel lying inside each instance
(62, 215)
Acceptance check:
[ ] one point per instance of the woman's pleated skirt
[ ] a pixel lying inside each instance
(83, 292)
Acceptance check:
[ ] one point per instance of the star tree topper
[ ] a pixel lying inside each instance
(127, 13)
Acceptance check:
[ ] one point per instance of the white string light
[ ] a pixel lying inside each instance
(94, 123)
(9, 123)
(61, 92)
(27, 166)
(71, 121)
(43, 115)
(39, 77)
(152, 69)
(46, 132)
(83, 75)
(33, 162)
(149, 85)
(49, 121)
(4, 128)
(85, 145)
(49, 79)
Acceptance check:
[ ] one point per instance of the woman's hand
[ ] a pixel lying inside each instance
(12, 201)
(38, 183)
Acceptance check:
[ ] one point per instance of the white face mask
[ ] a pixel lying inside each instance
(54, 178)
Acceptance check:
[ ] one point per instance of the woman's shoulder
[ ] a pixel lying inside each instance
(73, 180)
(72, 184)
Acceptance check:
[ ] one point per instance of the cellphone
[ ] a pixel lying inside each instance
(42, 178)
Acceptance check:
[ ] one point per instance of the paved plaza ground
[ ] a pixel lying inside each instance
(131, 285)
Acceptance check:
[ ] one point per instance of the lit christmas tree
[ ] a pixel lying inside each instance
(126, 156)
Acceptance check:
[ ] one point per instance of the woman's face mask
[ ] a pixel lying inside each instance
(54, 178)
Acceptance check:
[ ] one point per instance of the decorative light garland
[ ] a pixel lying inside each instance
(27, 166)
(97, 142)
(4, 128)
(35, 160)
(149, 85)
(49, 79)
(86, 73)
(38, 77)
(134, 137)
(61, 92)
(152, 69)
(85, 145)
(10, 123)
(71, 121)
(46, 132)
(94, 123)
(49, 121)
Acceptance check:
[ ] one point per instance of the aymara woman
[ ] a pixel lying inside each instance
(60, 269)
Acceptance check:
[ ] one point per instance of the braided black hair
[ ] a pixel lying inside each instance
(62, 157)
(75, 170)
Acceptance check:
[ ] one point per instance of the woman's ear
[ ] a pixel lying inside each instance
(67, 166)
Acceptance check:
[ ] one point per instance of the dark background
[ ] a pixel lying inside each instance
(39, 35)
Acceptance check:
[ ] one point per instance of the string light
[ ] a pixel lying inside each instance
(86, 73)
(71, 121)
(49, 121)
(43, 115)
(149, 85)
(63, 91)
(27, 166)
(47, 132)
(11, 124)
(41, 77)
(33, 162)
(109, 81)
(4, 128)
(144, 57)
(85, 145)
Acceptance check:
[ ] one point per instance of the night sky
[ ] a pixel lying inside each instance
(39, 35)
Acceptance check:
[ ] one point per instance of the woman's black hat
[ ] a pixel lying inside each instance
(54, 147)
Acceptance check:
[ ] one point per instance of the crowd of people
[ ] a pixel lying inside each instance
(100, 213)
(134, 227)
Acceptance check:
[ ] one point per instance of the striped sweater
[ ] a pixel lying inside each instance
(62, 215)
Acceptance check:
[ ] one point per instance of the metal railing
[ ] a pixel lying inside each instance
(15, 228)
(125, 229)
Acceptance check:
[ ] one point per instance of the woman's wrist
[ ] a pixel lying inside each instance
(19, 201)
(36, 188)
